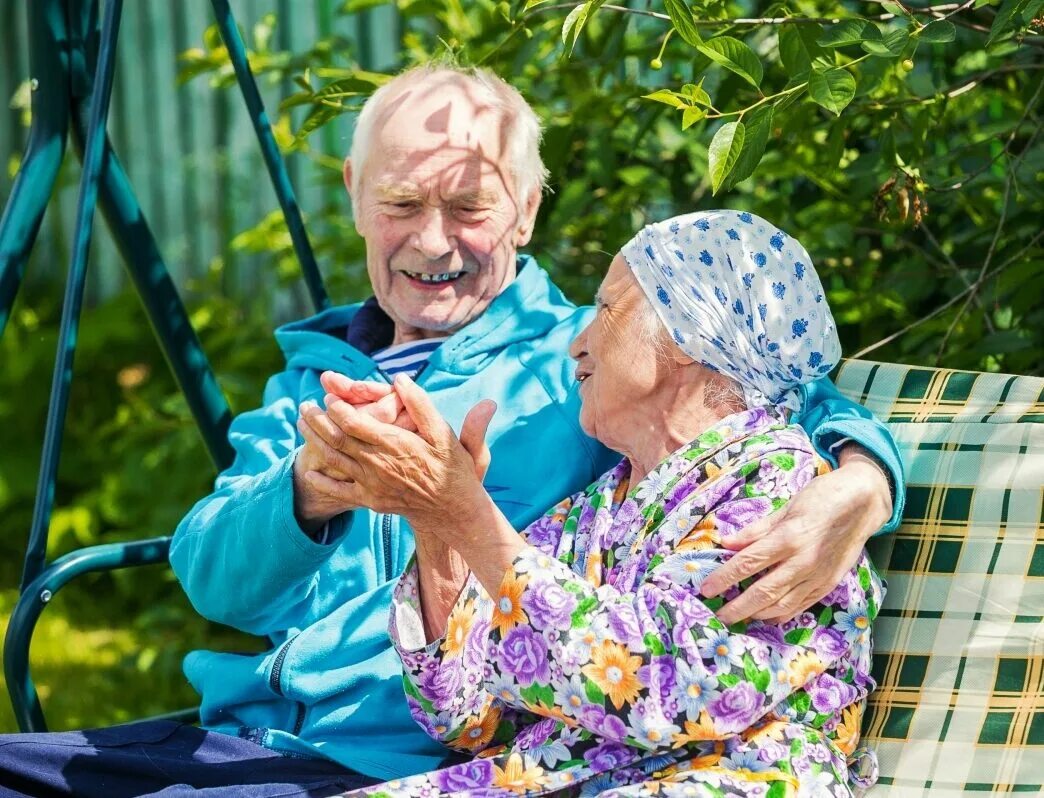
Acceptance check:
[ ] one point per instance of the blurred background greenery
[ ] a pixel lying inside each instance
(900, 143)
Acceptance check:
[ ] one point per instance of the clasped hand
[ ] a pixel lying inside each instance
(387, 448)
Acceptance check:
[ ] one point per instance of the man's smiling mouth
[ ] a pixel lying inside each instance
(445, 277)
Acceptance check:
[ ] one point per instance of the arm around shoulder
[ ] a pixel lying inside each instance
(834, 422)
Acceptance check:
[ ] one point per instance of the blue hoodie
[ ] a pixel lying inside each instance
(331, 685)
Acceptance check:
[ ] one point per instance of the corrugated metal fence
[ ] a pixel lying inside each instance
(189, 150)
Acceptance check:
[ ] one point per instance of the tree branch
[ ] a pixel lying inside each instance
(953, 300)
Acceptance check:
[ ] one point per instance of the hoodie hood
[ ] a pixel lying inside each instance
(532, 302)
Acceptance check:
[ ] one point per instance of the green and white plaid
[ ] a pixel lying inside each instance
(959, 647)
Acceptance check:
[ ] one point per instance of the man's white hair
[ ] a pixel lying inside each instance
(523, 130)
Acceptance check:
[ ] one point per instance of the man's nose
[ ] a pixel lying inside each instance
(433, 240)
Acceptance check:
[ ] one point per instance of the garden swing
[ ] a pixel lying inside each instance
(958, 654)
(72, 59)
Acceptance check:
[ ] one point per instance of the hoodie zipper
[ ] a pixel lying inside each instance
(277, 667)
(386, 544)
(273, 682)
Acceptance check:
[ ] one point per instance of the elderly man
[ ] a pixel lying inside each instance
(445, 180)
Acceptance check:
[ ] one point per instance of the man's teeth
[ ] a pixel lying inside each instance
(434, 278)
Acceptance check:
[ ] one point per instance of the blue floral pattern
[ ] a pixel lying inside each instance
(775, 349)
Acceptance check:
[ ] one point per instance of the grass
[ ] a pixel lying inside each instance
(94, 672)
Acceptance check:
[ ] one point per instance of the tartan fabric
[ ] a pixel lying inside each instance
(959, 643)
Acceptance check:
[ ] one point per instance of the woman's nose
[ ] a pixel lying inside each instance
(578, 348)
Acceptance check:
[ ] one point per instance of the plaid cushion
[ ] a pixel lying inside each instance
(959, 648)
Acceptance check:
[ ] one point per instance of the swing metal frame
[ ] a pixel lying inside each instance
(72, 47)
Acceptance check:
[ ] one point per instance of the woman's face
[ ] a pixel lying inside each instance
(619, 365)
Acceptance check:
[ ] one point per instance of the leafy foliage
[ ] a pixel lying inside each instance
(898, 142)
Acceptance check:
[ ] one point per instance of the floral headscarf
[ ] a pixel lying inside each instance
(741, 297)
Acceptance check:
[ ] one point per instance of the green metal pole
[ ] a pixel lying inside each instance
(36, 551)
(270, 150)
(20, 223)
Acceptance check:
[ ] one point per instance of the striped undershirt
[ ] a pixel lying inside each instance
(408, 358)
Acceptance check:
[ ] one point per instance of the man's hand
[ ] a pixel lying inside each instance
(809, 544)
(377, 399)
(314, 507)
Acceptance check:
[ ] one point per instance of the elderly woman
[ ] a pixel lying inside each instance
(578, 657)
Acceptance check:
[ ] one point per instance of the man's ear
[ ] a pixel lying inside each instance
(346, 171)
(527, 218)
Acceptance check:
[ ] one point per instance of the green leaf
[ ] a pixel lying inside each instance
(690, 116)
(666, 97)
(594, 694)
(728, 680)
(724, 151)
(891, 44)
(761, 681)
(798, 637)
(574, 23)
(895, 8)
(848, 32)
(798, 48)
(941, 30)
(654, 644)
(1012, 15)
(351, 6)
(681, 18)
(735, 56)
(695, 94)
(826, 616)
(758, 125)
(833, 89)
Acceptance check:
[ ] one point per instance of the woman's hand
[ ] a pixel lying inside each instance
(430, 477)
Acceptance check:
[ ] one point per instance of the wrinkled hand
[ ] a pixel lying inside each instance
(809, 545)
(430, 477)
(378, 399)
(314, 508)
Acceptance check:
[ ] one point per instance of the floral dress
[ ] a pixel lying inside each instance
(599, 669)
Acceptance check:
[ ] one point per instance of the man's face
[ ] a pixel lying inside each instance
(437, 208)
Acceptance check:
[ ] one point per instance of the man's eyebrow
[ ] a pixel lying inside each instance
(477, 196)
(398, 191)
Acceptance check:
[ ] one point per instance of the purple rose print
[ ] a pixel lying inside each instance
(828, 643)
(840, 595)
(736, 708)
(608, 756)
(543, 534)
(624, 625)
(595, 719)
(738, 514)
(660, 674)
(766, 632)
(465, 776)
(441, 684)
(535, 734)
(476, 646)
(548, 605)
(423, 719)
(829, 694)
(523, 654)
